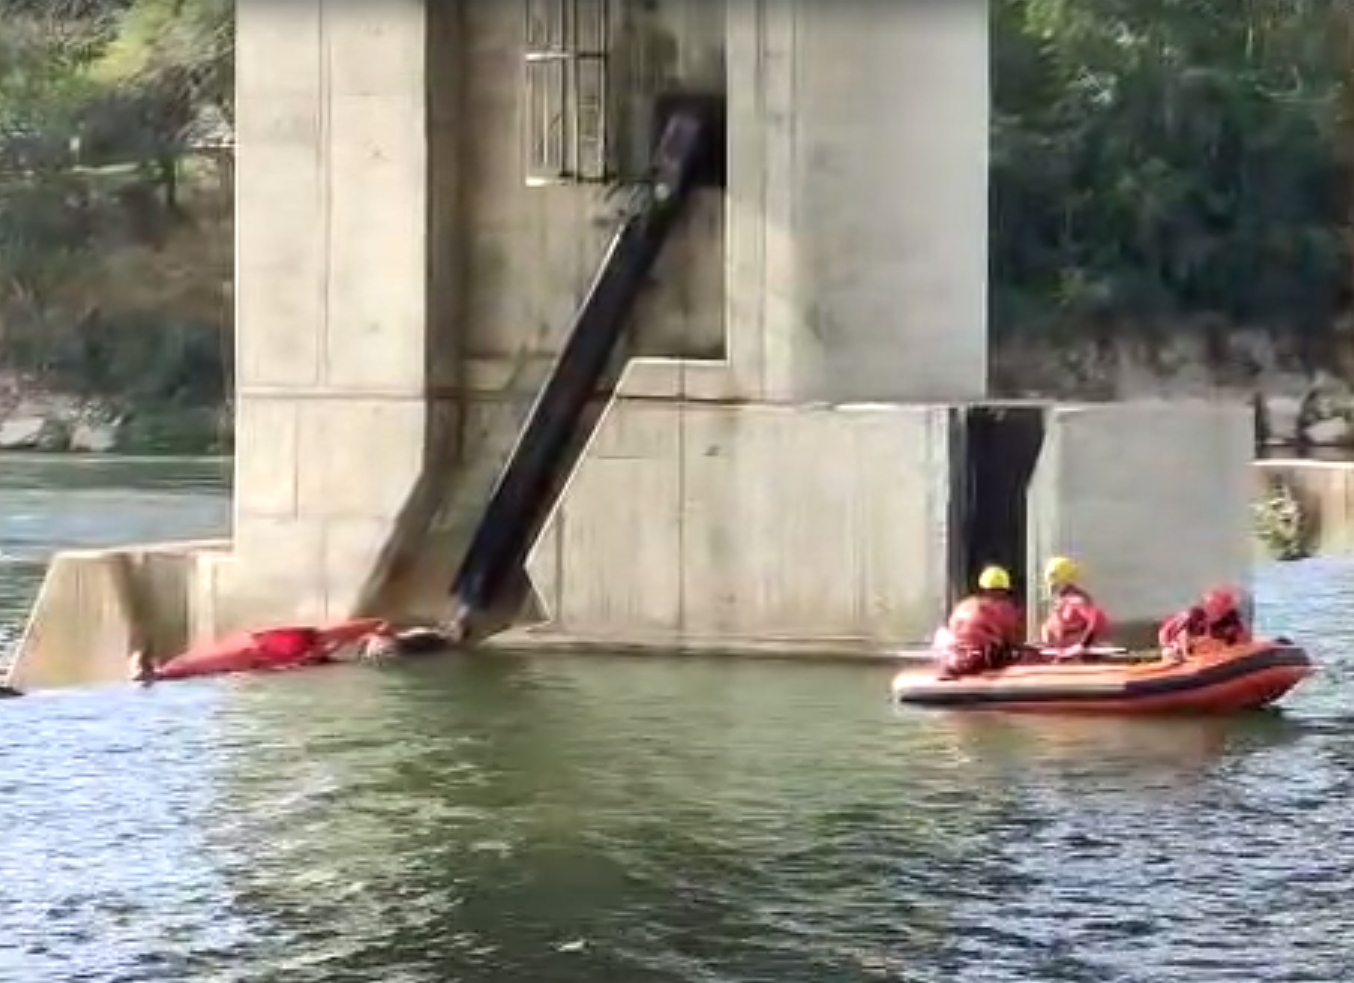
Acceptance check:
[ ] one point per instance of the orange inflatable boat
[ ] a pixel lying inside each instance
(269, 650)
(1216, 680)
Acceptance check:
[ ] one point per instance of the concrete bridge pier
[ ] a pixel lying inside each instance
(756, 497)
(792, 454)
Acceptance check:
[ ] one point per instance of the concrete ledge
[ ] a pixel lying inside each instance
(647, 560)
(545, 640)
(741, 525)
(1137, 636)
(700, 380)
(82, 626)
(97, 606)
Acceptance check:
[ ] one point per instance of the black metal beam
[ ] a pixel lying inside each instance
(689, 152)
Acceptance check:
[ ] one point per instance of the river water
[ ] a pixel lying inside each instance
(556, 819)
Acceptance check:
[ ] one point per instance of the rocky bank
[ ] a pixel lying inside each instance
(1303, 399)
(183, 276)
(34, 419)
(1300, 402)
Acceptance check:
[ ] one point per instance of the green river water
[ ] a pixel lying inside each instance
(553, 820)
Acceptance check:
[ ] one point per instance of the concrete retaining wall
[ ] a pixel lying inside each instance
(1154, 498)
(98, 606)
(395, 274)
(696, 525)
(733, 523)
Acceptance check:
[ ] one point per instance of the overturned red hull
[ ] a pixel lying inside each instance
(268, 650)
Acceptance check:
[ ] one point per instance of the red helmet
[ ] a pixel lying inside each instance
(1218, 603)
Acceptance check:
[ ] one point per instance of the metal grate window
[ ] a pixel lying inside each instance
(566, 94)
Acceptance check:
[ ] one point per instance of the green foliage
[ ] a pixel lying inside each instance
(165, 43)
(173, 430)
(1283, 526)
(96, 99)
(1159, 158)
(1152, 160)
(130, 361)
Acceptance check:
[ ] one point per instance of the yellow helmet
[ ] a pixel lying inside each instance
(1061, 572)
(994, 578)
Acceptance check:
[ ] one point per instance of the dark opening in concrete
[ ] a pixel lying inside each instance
(998, 448)
(711, 169)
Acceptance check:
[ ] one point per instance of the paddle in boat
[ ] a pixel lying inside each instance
(1213, 679)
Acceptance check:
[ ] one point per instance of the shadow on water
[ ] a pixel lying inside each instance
(538, 822)
(1120, 744)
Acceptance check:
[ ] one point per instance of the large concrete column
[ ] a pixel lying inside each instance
(857, 227)
(1153, 498)
(335, 355)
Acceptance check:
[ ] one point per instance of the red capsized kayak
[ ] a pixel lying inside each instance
(269, 649)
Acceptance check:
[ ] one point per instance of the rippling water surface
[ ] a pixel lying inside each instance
(648, 820)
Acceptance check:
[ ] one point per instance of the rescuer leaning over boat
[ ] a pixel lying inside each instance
(985, 631)
(1216, 616)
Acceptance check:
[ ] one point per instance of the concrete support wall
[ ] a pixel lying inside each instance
(98, 606)
(1323, 492)
(401, 293)
(857, 228)
(338, 341)
(1153, 498)
(855, 269)
(531, 252)
(703, 523)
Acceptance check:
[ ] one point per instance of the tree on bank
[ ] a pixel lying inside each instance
(102, 112)
(1153, 161)
(1156, 160)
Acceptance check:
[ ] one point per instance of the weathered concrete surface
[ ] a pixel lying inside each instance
(857, 228)
(704, 522)
(400, 294)
(383, 408)
(1154, 498)
(98, 606)
(338, 414)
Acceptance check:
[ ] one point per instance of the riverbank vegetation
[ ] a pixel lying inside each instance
(1159, 167)
(1161, 164)
(115, 197)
